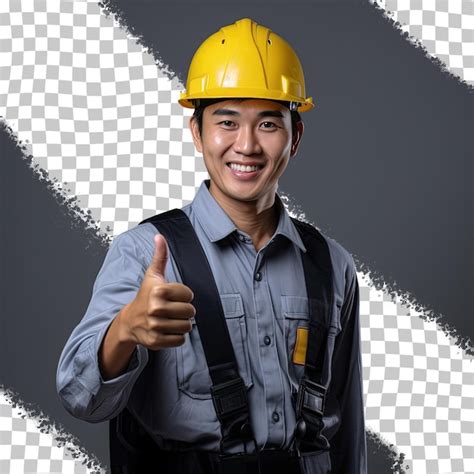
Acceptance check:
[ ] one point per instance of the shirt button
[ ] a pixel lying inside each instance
(267, 340)
(275, 417)
(242, 238)
(258, 276)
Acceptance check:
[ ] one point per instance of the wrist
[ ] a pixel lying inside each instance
(124, 332)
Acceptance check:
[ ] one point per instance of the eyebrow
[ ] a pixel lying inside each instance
(263, 113)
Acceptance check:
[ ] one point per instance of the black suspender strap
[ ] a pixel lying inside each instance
(311, 395)
(228, 390)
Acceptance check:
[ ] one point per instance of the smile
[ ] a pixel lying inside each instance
(244, 168)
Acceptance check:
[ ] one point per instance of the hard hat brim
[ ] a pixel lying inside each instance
(187, 101)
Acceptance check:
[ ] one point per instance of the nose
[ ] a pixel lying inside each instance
(246, 141)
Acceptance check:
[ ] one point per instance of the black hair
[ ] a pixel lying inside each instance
(203, 103)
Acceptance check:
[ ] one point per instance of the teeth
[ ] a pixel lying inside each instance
(247, 169)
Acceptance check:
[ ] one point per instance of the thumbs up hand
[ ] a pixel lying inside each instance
(159, 316)
(158, 263)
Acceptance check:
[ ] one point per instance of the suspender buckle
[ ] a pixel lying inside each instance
(309, 414)
(231, 405)
(311, 398)
(229, 398)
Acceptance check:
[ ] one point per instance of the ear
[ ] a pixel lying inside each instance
(193, 125)
(297, 138)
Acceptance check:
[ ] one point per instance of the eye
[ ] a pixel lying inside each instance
(269, 125)
(226, 123)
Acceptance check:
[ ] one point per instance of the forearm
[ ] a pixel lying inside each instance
(85, 392)
(348, 447)
(116, 349)
(97, 368)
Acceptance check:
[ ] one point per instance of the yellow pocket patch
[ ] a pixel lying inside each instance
(299, 354)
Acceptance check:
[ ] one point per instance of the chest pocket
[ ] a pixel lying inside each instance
(193, 373)
(296, 324)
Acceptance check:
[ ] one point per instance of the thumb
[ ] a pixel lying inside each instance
(160, 257)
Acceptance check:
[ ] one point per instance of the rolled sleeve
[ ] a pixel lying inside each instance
(348, 446)
(79, 383)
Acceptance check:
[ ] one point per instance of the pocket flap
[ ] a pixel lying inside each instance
(295, 307)
(232, 305)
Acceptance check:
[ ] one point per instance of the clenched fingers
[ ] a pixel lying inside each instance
(171, 309)
(172, 292)
(169, 326)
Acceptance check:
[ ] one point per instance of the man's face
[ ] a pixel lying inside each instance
(252, 132)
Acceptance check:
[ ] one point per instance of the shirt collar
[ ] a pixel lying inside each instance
(218, 225)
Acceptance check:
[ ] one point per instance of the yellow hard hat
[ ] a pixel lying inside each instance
(246, 59)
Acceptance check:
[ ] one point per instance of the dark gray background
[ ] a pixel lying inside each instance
(385, 168)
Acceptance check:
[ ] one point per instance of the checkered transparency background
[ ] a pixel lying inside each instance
(444, 27)
(25, 448)
(101, 117)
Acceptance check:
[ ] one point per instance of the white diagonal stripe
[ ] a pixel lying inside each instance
(25, 447)
(445, 28)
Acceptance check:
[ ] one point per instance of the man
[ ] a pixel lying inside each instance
(139, 344)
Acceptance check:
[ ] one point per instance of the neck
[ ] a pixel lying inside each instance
(258, 219)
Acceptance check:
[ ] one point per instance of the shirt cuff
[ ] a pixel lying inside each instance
(87, 369)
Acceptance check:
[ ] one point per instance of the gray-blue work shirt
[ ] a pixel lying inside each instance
(264, 300)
